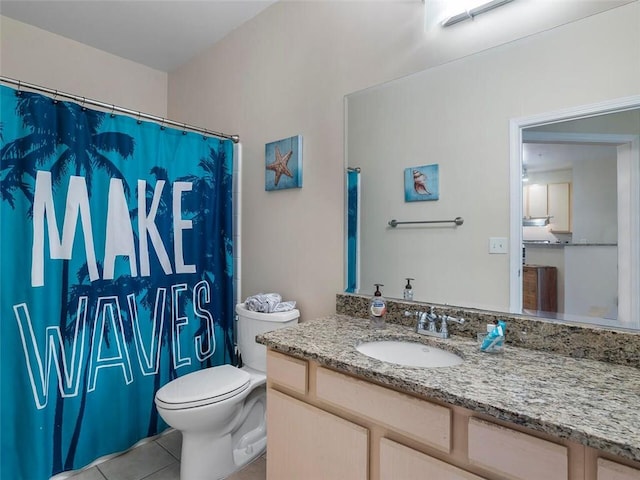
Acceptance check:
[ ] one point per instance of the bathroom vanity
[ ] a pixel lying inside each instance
(524, 414)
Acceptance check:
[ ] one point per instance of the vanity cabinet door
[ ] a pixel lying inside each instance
(515, 455)
(418, 419)
(400, 462)
(304, 442)
(608, 470)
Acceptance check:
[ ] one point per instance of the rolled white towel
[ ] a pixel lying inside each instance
(268, 303)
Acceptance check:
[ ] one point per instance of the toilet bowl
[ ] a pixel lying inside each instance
(221, 410)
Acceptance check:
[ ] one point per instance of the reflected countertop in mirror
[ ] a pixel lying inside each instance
(543, 244)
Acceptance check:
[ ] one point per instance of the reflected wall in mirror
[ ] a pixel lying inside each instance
(458, 115)
(581, 178)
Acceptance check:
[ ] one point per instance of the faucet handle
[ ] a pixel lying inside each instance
(456, 320)
(446, 318)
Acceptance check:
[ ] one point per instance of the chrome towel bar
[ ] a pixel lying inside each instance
(458, 221)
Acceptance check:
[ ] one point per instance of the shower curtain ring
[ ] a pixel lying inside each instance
(162, 127)
(184, 127)
(55, 98)
(19, 92)
(113, 109)
(139, 121)
(84, 109)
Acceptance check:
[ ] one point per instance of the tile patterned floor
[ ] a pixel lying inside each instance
(158, 460)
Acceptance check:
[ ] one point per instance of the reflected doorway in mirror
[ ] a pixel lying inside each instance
(421, 183)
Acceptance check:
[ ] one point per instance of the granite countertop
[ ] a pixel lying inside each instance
(586, 401)
(528, 244)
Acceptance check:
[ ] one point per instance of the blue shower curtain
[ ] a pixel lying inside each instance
(117, 276)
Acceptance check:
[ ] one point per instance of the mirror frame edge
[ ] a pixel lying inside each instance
(515, 212)
(345, 193)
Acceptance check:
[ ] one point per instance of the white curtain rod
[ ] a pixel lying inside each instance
(114, 108)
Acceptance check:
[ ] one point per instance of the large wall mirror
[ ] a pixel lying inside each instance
(541, 103)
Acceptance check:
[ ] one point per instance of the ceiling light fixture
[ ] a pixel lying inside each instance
(472, 12)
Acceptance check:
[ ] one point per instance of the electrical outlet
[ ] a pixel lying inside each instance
(498, 245)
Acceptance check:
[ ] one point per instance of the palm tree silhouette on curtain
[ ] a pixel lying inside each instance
(209, 224)
(150, 285)
(68, 134)
(212, 263)
(93, 291)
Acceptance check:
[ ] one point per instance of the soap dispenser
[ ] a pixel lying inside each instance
(378, 308)
(408, 290)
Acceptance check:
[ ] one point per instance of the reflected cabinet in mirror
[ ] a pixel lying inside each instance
(537, 147)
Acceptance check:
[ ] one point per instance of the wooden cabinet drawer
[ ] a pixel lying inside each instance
(514, 454)
(608, 470)
(287, 371)
(418, 419)
(305, 442)
(400, 462)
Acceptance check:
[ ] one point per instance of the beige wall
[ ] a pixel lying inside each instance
(285, 73)
(36, 56)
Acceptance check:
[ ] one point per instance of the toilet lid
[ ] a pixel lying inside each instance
(203, 387)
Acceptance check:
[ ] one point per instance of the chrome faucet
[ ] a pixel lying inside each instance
(432, 320)
(426, 323)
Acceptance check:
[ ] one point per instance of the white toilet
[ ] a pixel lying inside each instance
(221, 410)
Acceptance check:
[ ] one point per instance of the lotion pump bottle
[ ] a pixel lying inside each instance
(408, 290)
(378, 308)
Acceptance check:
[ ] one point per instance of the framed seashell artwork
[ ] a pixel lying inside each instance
(421, 183)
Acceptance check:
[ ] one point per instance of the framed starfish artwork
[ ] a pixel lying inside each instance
(421, 183)
(283, 164)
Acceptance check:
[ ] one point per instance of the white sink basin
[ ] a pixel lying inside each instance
(409, 354)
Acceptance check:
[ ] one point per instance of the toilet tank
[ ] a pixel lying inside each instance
(251, 324)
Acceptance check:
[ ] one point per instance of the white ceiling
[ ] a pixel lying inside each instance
(542, 157)
(162, 34)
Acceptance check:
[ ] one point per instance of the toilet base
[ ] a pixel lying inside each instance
(206, 457)
(203, 460)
